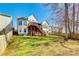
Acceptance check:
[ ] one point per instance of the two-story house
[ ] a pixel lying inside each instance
(29, 26)
(22, 25)
(23, 22)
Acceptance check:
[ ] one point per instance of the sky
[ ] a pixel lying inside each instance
(24, 10)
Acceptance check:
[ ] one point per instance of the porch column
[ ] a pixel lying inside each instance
(31, 31)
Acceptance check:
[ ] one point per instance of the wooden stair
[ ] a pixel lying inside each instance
(38, 27)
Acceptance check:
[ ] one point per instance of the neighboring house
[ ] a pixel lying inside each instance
(51, 29)
(45, 27)
(6, 25)
(62, 30)
(55, 29)
(22, 25)
(5, 31)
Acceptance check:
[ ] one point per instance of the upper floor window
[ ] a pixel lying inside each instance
(20, 22)
(25, 23)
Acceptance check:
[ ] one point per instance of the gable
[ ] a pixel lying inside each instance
(32, 18)
(45, 24)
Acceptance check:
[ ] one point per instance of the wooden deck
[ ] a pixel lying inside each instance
(35, 29)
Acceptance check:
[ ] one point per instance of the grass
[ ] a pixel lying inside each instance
(40, 46)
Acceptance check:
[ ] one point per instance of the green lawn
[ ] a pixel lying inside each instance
(40, 46)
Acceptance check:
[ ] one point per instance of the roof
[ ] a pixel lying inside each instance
(22, 18)
(38, 23)
(5, 15)
(32, 18)
(45, 23)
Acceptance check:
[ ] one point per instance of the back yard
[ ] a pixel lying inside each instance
(41, 46)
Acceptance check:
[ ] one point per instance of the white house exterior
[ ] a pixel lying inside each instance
(45, 26)
(22, 26)
(51, 29)
(32, 18)
(5, 31)
(5, 20)
(6, 25)
(23, 22)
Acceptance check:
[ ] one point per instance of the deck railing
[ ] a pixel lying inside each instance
(38, 26)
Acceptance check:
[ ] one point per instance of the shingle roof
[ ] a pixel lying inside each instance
(5, 15)
(22, 18)
(32, 18)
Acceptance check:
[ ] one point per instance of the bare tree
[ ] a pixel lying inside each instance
(66, 18)
(73, 15)
(77, 21)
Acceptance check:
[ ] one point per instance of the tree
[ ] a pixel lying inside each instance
(73, 15)
(77, 21)
(66, 18)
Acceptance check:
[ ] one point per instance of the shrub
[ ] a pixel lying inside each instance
(73, 36)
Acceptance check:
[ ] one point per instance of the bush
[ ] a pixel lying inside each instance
(73, 36)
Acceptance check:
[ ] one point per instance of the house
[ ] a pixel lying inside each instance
(6, 25)
(5, 31)
(51, 28)
(22, 23)
(46, 27)
(29, 26)
(55, 29)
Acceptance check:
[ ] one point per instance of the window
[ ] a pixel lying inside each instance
(25, 30)
(20, 22)
(20, 30)
(25, 23)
